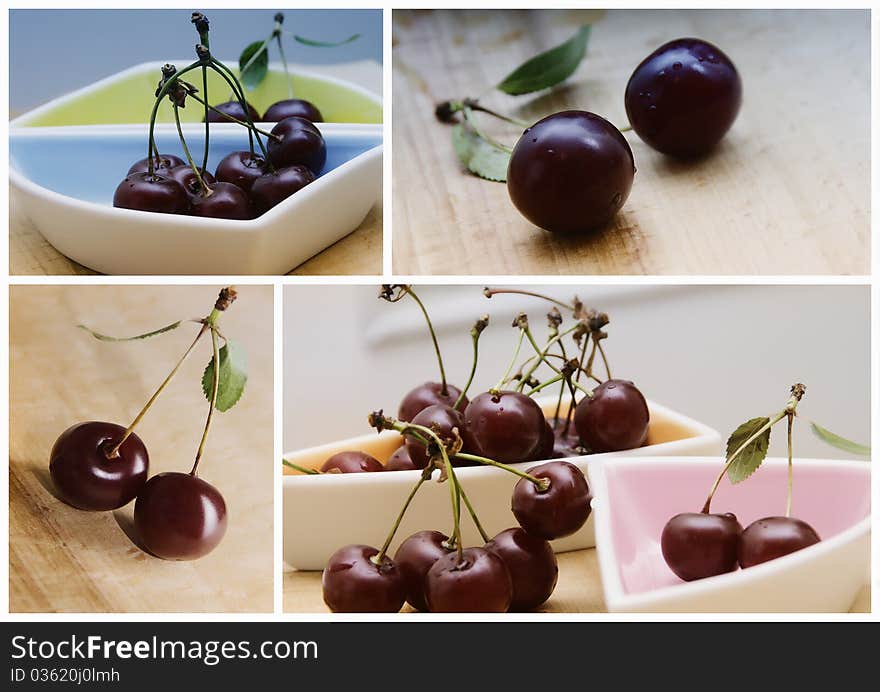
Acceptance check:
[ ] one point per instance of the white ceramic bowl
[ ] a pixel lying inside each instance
(324, 513)
(634, 498)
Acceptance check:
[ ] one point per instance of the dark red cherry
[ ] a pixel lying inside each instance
(156, 193)
(86, 478)
(428, 394)
(296, 142)
(353, 583)
(241, 168)
(570, 172)
(478, 582)
(233, 109)
(442, 420)
(179, 516)
(697, 545)
(616, 417)
(558, 511)
(415, 556)
(273, 188)
(531, 563)
(545, 448)
(400, 460)
(772, 537)
(506, 427)
(351, 462)
(162, 164)
(226, 201)
(683, 98)
(289, 108)
(187, 178)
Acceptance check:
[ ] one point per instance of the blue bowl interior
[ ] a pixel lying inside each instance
(89, 166)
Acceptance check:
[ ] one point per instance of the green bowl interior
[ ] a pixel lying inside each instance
(130, 100)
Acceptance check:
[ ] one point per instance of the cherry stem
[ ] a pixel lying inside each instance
(542, 484)
(234, 84)
(552, 381)
(790, 466)
(233, 119)
(151, 140)
(443, 387)
(469, 118)
(604, 359)
(476, 330)
(205, 189)
(205, 102)
(542, 353)
(489, 292)
(583, 356)
(215, 388)
(470, 509)
(503, 380)
(284, 61)
(475, 105)
(301, 469)
(377, 559)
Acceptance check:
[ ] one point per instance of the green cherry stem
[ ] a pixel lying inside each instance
(284, 63)
(205, 189)
(207, 124)
(233, 82)
(604, 358)
(215, 388)
(301, 469)
(790, 467)
(377, 559)
(475, 105)
(233, 119)
(151, 140)
(470, 509)
(476, 330)
(540, 483)
(489, 292)
(501, 382)
(443, 388)
(472, 121)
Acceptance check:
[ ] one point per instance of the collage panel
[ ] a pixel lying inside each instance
(552, 449)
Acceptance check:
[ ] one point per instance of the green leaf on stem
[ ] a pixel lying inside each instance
(324, 44)
(257, 70)
(548, 68)
(479, 156)
(751, 457)
(835, 440)
(155, 332)
(233, 376)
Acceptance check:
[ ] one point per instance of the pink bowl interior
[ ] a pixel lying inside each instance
(643, 497)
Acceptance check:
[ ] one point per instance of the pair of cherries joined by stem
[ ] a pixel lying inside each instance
(697, 545)
(100, 466)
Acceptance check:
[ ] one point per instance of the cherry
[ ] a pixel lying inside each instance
(428, 394)
(156, 193)
(226, 201)
(272, 188)
(504, 426)
(558, 511)
(696, 545)
(288, 108)
(234, 110)
(186, 176)
(477, 582)
(86, 478)
(164, 164)
(772, 537)
(400, 460)
(351, 462)
(531, 564)
(414, 558)
(547, 444)
(684, 97)
(570, 172)
(614, 418)
(241, 168)
(441, 420)
(179, 516)
(296, 141)
(565, 445)
(353, 583)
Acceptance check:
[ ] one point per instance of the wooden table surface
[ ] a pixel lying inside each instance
(787, 191)
(579, 589)
(66, 560)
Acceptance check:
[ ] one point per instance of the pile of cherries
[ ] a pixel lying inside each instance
(246, 183)
(697, 545)
(98, 466)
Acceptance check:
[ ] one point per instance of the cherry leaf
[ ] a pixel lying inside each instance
(751, 457)
(252, 74)
(479, 156)
(549, 68)
(233, 376)
(324, 44)
(835, 440)
(147, 335)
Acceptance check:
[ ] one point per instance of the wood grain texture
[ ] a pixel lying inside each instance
(65, 560)
(786, 192)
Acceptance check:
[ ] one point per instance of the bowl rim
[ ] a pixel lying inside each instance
(29, 116)
(612, 585)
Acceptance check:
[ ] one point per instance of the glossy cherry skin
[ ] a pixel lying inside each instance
(400, 460)
(289, 108)
(226, 201)
(570, 172)
(179, 516)
(164, 164)
(187, 178)
(155, 193)
(477, 583)
(531, 564)
(683, 98)
(428, 394)
(772, 537)
(273, 188)
(240, 168)
(296, 142)
(558, 511)
(85, 478)
(697, 545)
(545, 447)
(506, 427)
(233, 109)
(351, 462)
(442, 420)
(414, 558)
(353, 583)
(616, 417)
(565, 444)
